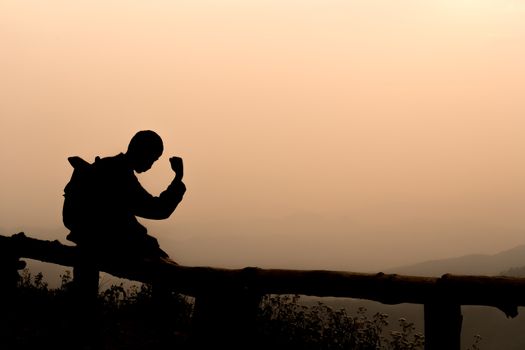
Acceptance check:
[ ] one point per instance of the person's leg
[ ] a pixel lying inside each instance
(145, 246)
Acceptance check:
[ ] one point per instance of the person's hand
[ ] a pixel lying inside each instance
(177, 166)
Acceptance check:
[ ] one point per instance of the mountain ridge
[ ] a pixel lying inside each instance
(471, 264)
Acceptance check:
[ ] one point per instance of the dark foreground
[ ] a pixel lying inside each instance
(132, 318)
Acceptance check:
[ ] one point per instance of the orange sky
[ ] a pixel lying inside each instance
(347, 135)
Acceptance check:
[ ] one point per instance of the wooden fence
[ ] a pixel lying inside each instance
(237, 292)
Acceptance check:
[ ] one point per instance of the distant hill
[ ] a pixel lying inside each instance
(475, 264)
(515, 272)
(497, 331)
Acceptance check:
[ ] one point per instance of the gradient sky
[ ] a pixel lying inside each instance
(351, 135)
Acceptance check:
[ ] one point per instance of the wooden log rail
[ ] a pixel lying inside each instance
(442, 297)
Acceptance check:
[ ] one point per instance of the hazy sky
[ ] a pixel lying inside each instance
(353, 135)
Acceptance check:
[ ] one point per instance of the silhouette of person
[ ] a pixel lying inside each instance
(101, 210)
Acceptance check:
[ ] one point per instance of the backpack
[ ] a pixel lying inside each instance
(79, 194)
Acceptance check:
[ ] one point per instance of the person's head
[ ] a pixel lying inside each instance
(144, 149)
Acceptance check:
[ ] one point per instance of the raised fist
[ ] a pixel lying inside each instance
(177, 166)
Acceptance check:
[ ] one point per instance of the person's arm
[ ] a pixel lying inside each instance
(161, 207)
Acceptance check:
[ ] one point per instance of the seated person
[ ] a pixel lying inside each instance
(103, 199)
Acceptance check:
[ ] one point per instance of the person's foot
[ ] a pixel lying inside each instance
(163, 254)
(155, 254)
(168, 261)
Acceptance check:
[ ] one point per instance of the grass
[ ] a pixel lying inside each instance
(129, 318)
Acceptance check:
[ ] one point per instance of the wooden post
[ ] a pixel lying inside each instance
(162, 308)
(443, 326)
(226, 316)
(225, 320)
(9, 277)
(85, 295)
(85, 279)
(10, 263)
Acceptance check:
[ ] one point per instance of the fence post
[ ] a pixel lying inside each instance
(85, 278)
(85, 294)
(226, 317)
(10, 263)
(9, 276)
(442, 326)
(225, 320)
